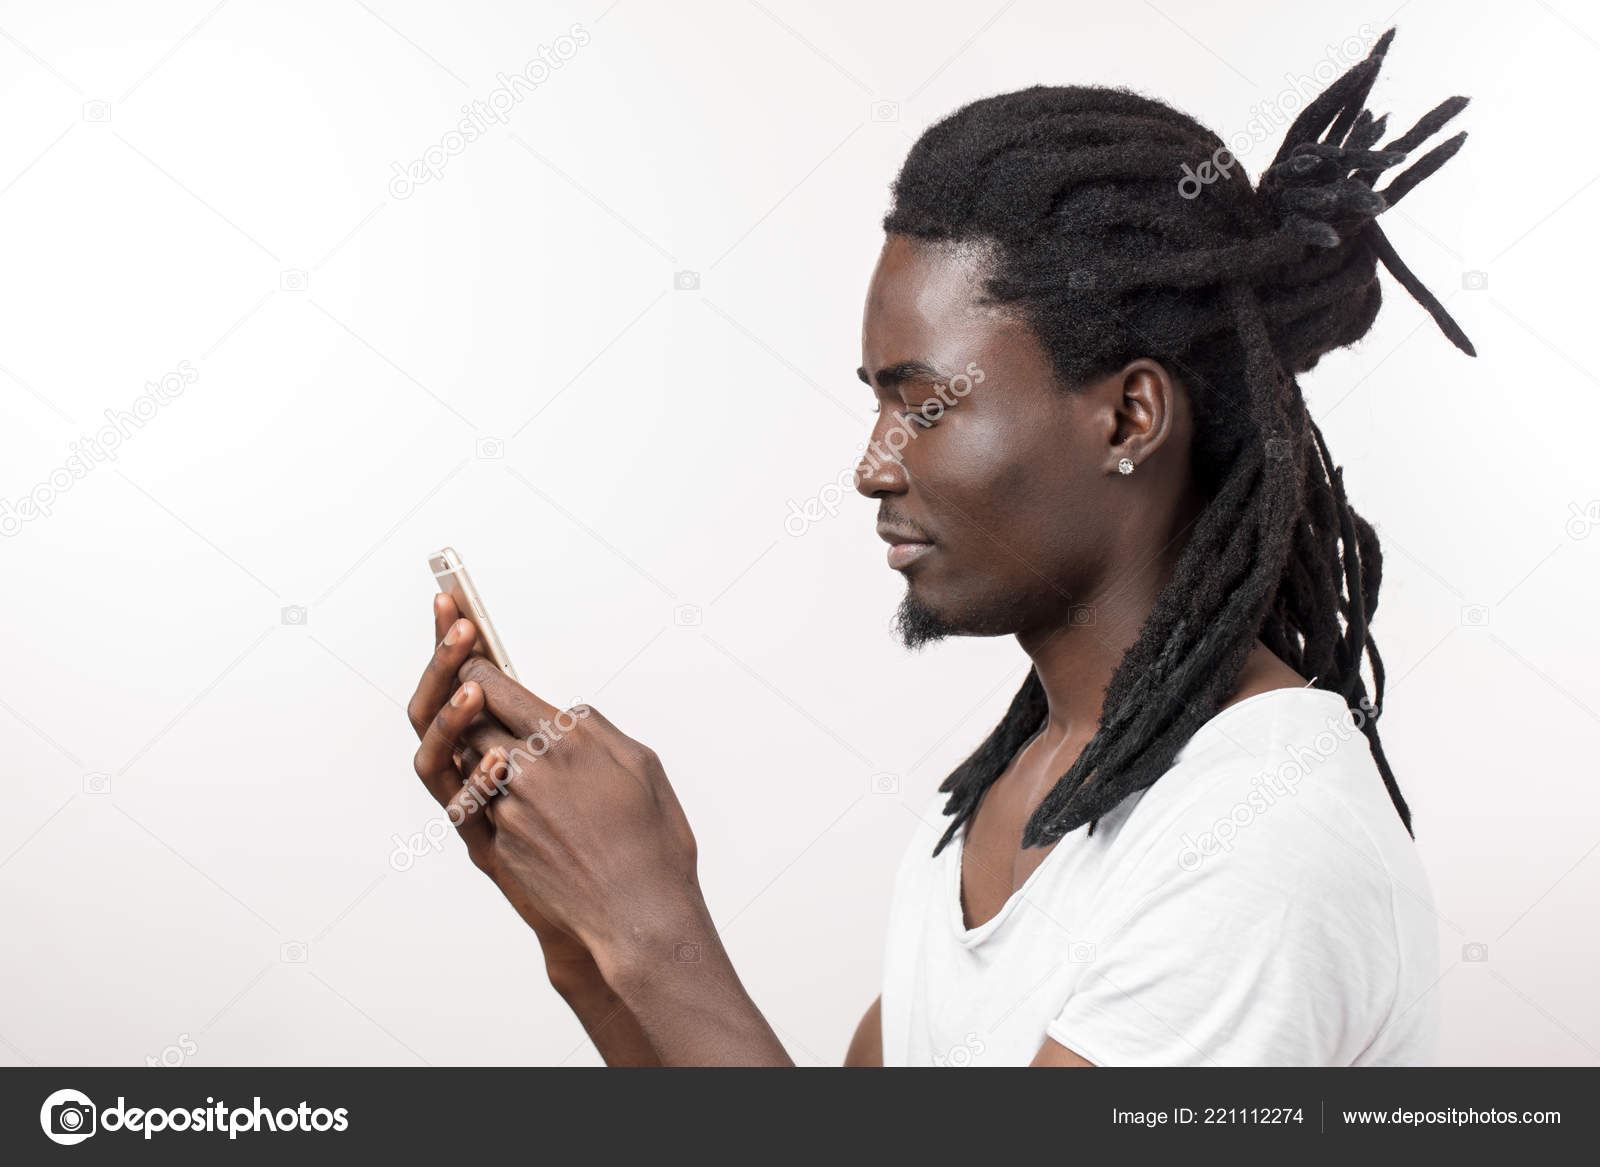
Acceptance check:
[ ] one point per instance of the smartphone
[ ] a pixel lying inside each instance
(454, 580)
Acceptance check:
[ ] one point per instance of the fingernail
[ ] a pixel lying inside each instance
(460, 698)
(457, 631)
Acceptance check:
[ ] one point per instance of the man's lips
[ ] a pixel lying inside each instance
(905, 547)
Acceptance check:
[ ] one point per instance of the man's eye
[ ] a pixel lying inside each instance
(913, 413)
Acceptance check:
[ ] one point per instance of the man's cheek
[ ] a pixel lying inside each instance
(1029, 522)
(988, 484)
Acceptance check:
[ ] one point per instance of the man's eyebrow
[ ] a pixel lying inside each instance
(892, 375)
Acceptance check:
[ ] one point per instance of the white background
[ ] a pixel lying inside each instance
(197, 793)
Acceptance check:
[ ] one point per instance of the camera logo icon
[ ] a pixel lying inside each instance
(686, 953)
(886, 111)
(885, 784)
(293, 280)
(97, 111)
(1475, 615)
(1081, 280)
(292, 952)
(1080, 952)
(686, 615)
(67, 1117)
(294, 614)
(97, 783)
(686, 281)
(490, 448)
(1475, 953)
(1475, 281)
(1584, 519)
(1081, 615)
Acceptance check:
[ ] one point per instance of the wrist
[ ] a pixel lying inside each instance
(657, 942)
(674, 976)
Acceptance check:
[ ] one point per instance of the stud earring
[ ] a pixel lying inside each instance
(1125, 466)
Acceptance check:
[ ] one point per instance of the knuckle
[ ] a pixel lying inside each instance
(554, 745)
(439, 727)
(506, 826)
(637, 756)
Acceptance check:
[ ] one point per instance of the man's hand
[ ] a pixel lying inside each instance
(585, 823)
(579, 828)
(441, 713)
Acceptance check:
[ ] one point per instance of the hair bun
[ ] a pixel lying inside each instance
(1319, 187)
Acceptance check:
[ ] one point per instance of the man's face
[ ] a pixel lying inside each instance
(1004, 499)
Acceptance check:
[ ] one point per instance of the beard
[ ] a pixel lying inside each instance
(918, 625)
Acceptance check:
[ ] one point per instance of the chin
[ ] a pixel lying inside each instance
(917, 624)
(921, 620)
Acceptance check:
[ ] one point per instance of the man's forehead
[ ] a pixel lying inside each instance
(925, 289)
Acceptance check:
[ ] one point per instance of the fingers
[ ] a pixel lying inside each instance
(439, 678)
(467, 753)
(434, 764)
(447, 611)
(437, 770)
(444, 615)
(518, 709)
(482, 735)
(477, 740)
(487, 779)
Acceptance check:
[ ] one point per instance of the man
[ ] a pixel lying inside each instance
(1091, 438)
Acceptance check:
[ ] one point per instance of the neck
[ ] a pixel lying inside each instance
(1076, 658)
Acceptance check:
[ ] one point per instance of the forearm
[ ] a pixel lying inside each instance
(683, 992)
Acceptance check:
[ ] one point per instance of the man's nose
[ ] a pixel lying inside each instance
(880, 470)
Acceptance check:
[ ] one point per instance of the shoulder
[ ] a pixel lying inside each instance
(1278, 798)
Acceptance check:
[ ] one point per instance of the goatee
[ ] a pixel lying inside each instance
(917, 625)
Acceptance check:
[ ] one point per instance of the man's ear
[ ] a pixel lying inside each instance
(1144, 405)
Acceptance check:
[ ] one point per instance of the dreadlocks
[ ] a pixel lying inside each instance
(1237, 289)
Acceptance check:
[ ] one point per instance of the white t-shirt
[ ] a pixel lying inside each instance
(1261, 904)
